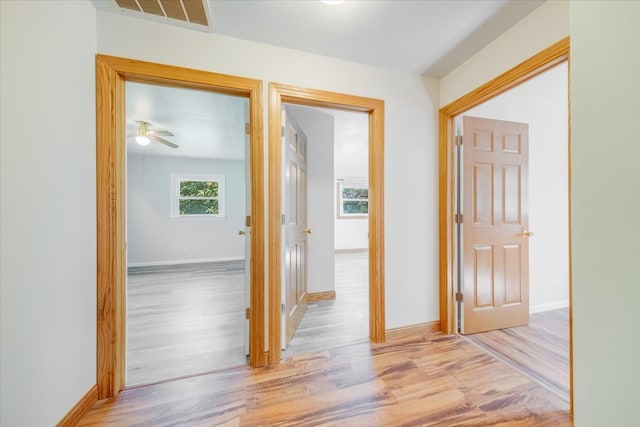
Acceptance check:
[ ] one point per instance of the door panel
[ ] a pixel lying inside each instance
(295, 236)
(495, 276)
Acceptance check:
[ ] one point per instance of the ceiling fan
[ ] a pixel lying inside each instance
(144, 135)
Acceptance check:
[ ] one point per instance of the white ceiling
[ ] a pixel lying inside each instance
(429, 37)
(419, 36)
(204, 124)
(422, 36)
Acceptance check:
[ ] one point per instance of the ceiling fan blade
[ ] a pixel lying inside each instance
(129, 135)
(161, 132)
(163, 141)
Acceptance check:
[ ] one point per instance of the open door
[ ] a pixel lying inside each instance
(495, 220)
(294, 282)
(246, 232)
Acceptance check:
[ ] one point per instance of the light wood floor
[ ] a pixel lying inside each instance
(189, 319)
(184, 320)
(540, 349)
(345, 320)
(432, 380)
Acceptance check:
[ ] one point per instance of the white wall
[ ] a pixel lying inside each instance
(318, 128)
(351, 233)
(605, 41)
(542, 102)
(410, 135)
(351, 158)
(47, 213)
(154, 238)
(537, 31)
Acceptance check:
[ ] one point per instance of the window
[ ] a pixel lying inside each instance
(197, 196)
(353, 199)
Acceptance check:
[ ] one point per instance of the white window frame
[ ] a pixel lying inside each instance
(177, 178)
(341, 183)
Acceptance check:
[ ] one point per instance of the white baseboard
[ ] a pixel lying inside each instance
(549, 306)
(184, 261)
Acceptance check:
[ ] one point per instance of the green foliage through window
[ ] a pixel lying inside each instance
(354, 199)
(199, 188)
(198, 195)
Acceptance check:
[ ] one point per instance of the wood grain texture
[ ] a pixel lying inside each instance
(321, 296)
(111, 74)
(110, 229)
(413, 331)
(79, 410)
(341, 321)
(279, 94)
(184, 320)
(539, 350)
(542, 61)
(435, 380)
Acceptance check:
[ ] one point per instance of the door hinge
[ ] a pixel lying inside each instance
(459, 297)
(247, 313)
(458, 140)
(282, 131)
(283, 219)
(282, 308)
(247, 221)
(458, 218)
(247, 129)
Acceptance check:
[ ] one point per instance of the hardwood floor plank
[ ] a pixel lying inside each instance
(433, 380)
(189, 319)
(540, 349)
(184, 320)
(343, 320)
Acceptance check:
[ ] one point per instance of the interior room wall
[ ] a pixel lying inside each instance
(606, 196)
(47, 214)
(318, 128)
(542, 102)
(537, 31)
(410, 135)
(154, 238)
(351, 233)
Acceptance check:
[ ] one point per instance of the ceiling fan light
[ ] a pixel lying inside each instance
(142, 140)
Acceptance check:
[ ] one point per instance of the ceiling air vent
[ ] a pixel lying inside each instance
(187, 11)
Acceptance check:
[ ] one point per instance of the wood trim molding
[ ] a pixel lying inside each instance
(321, 296)
(111, 75)
(76, 413)
(279, 94)
(413, 331)
(542, 61)
(538, 63)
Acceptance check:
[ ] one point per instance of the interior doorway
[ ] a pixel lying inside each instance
(334, 144)
(187, 258)
(111, 75)
(449, 244)
(283, 94)
(529, 258)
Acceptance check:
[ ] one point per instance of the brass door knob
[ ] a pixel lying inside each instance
(526, 233)
(306, 230)
(241, 233)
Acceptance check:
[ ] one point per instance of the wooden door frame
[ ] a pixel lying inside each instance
(278, 95)
(537, 64)
(111, 75)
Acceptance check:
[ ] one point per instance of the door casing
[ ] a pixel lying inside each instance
(111, 75)
(537, 64)
(278, 95)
